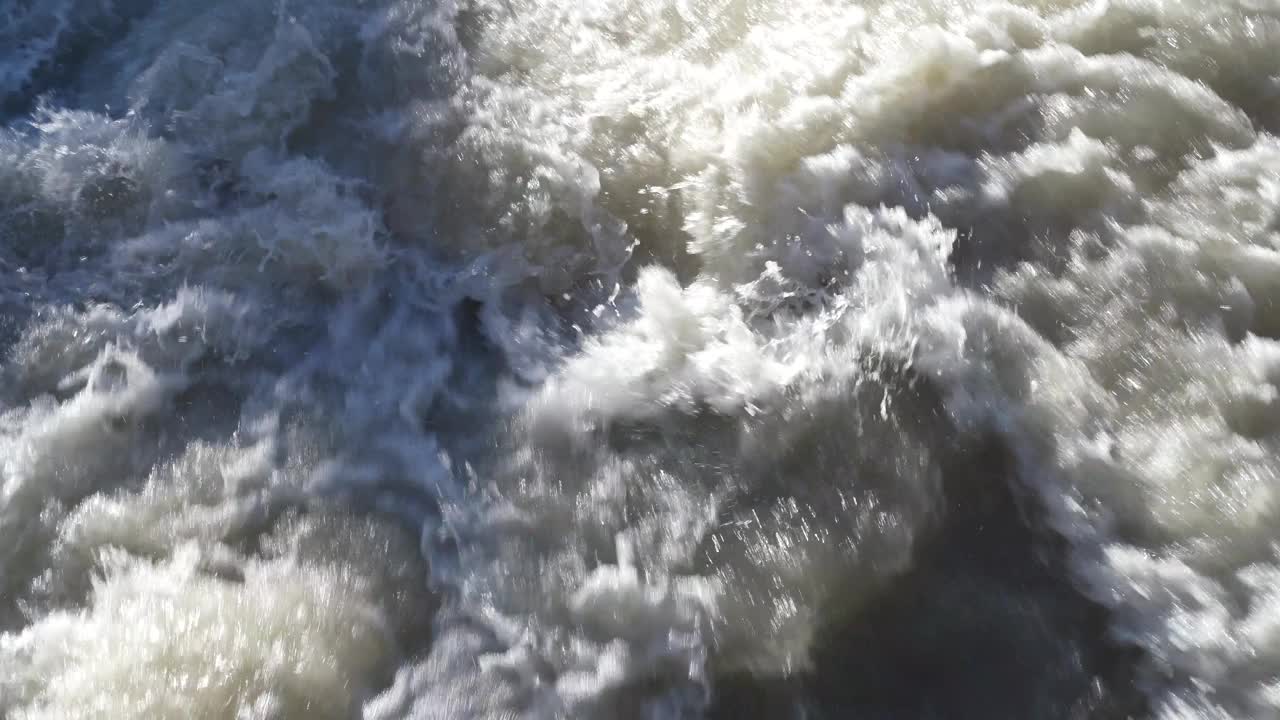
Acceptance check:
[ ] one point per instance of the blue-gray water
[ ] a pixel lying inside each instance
(639, 359)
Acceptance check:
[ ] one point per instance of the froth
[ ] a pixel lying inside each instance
(660, 326)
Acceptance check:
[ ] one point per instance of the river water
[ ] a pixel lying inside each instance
(639, 359)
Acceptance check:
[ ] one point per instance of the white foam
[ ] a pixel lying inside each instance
(746, 269)
(163, 640)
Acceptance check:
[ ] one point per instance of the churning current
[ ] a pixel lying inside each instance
(639, 359)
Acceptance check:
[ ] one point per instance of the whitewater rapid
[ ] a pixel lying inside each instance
(639, 359)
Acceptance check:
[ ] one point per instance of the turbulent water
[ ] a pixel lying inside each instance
(639, 359)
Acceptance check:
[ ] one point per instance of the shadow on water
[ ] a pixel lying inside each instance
(985, 625)
(90, 30)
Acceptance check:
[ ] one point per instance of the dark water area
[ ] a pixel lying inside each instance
(984, 625)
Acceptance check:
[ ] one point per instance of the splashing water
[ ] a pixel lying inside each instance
(640, 359)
